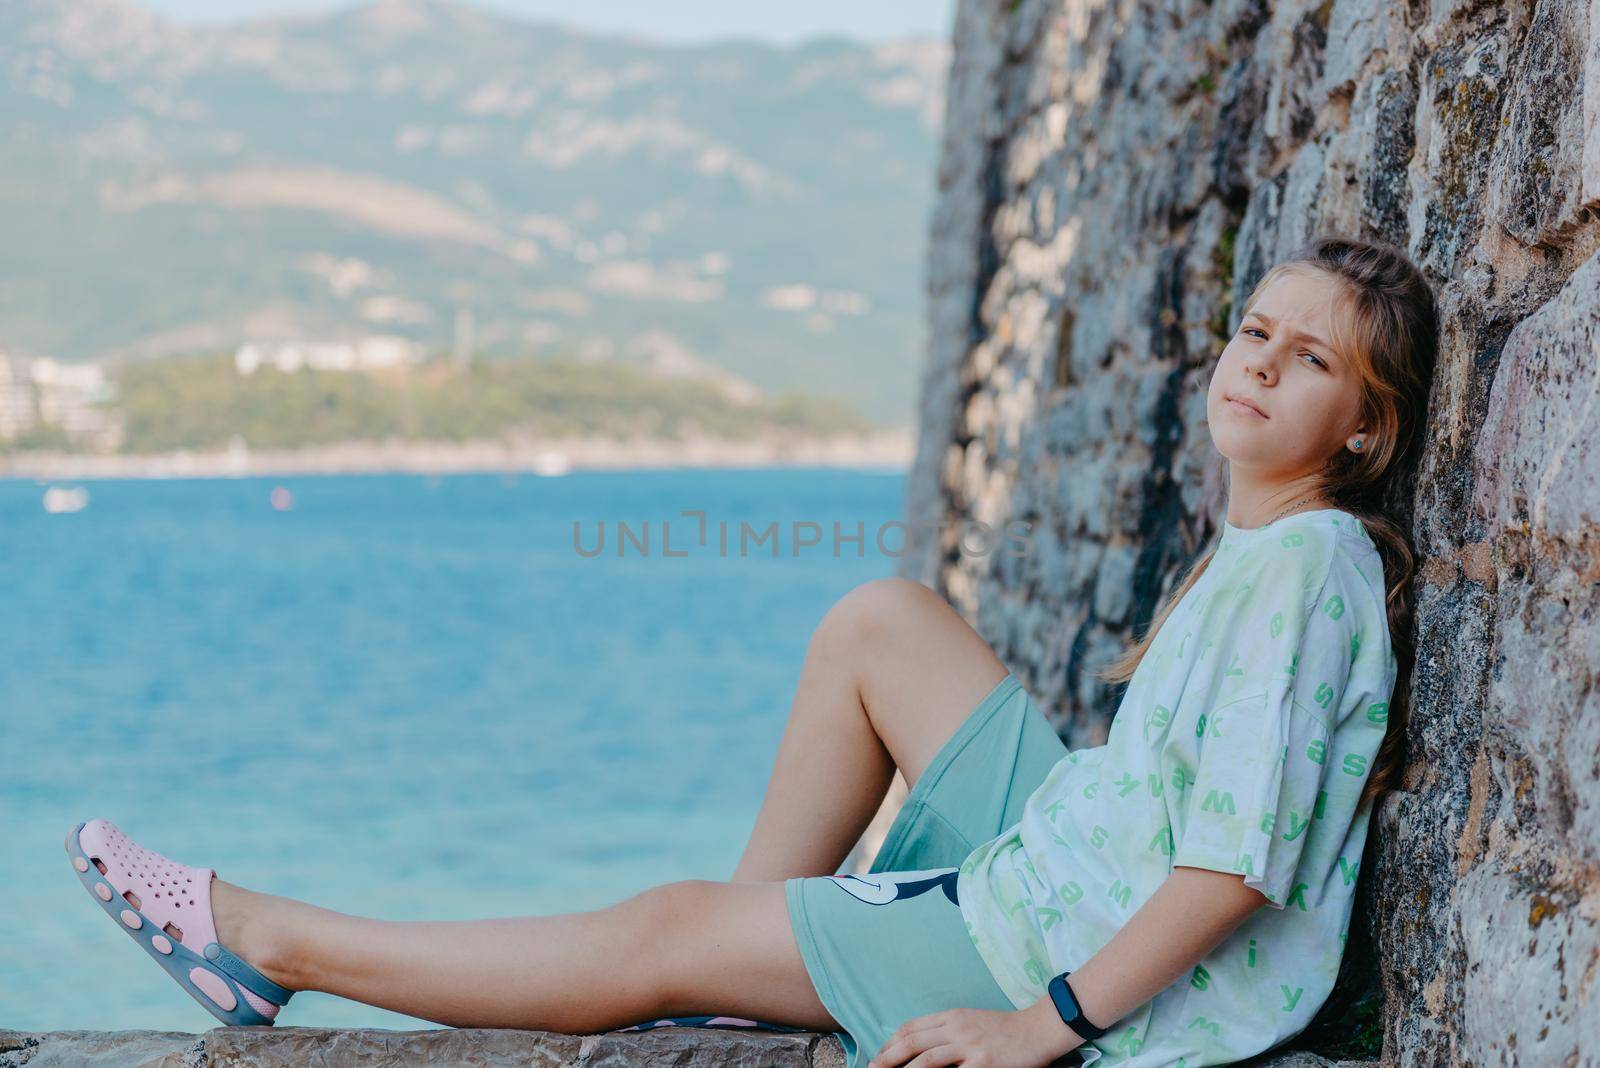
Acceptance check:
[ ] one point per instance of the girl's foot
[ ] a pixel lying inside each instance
(198, 928)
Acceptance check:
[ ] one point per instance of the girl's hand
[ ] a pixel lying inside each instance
(976, 1038)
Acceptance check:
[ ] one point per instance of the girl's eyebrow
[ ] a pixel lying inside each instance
(1270, 321)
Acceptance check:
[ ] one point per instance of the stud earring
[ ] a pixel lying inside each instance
(1356, 444)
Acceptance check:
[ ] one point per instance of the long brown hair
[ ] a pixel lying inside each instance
(1390, 335)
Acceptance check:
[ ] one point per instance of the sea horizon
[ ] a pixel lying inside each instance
(891, 449)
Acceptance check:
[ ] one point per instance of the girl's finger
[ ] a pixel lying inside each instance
(913, 1037)
(923, 1024)
(937, 1057)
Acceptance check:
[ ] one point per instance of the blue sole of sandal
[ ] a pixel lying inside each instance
(175, 958)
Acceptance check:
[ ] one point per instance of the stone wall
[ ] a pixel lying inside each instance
(328, 1047)
(1115, 177)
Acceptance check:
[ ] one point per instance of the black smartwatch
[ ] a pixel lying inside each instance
(1071, 1013)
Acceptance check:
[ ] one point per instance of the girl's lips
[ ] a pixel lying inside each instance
(1244, 409)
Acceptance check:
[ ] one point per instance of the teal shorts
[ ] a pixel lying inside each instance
(884, 948)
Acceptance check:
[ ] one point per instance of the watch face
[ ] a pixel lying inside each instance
(1071, 997)
(1071, 1012)
(1066, 1003)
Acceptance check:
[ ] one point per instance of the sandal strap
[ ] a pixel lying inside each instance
(246, 975)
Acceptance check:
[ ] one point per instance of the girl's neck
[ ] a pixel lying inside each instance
(1250, 507)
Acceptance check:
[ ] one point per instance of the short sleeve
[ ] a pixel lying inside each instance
(1285, 641)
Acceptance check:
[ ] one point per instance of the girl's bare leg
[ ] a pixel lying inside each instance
(684, 948)
(890, 673)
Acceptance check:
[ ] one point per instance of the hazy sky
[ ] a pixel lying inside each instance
(684, 20)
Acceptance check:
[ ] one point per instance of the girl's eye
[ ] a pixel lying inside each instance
(1253, 330)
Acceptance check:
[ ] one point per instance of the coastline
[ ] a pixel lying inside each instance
(889, 449)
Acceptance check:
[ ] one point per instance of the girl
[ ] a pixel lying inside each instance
(1264, 714)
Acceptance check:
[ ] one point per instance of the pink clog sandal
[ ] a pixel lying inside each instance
(166, 907)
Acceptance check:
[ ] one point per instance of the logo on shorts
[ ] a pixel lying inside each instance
(884, 887)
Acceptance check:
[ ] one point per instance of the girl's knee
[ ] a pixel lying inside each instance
(670, 906)
(873, 608)
(707, 942)
(671, 920)
(648, 933)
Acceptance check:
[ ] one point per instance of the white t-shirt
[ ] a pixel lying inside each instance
(1241, 745)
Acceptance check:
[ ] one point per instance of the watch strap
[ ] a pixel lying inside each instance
(1071, 1012)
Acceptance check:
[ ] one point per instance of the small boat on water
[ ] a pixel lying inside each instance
(63, 500)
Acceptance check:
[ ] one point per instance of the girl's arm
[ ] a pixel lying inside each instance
(1192, 911)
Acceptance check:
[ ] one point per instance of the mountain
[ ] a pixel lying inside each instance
(457, 177)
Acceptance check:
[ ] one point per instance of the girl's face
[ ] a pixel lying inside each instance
(1282, 362)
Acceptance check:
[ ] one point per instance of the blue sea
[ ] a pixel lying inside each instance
(408, 697)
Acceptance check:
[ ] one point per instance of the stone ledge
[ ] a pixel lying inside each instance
(290, 1047)
(332, 1047)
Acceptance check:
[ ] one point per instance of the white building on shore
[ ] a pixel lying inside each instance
(372, 353)
(42, 392)
(18, 412)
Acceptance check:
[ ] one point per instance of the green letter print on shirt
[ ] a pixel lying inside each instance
(1129, 1042)
(1297, 825)
(1157, 720)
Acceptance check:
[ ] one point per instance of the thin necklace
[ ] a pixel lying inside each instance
(1280, 515)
